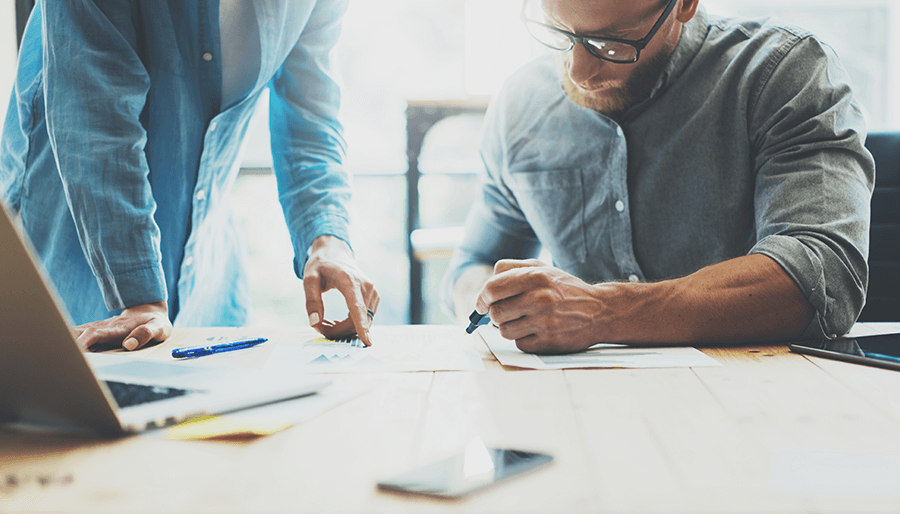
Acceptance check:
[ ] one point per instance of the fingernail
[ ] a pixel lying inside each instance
(314, 319)
(130, 344)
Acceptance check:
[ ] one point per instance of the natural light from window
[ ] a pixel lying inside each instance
(395, 51)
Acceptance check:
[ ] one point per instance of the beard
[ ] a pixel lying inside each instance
(613, 101)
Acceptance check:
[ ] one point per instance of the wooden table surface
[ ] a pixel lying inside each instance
(769, 431)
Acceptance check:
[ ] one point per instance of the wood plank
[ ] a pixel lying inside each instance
(878, 387)
(735, 439)
(528, 410)
(789, 409)
(328, 464)
(659, 441)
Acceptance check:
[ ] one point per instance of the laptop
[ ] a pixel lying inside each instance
(48, 383)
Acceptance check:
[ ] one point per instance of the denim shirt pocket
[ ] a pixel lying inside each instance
(553, 203)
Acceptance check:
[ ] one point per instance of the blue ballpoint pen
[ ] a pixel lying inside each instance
(200, 351)
(476, 320)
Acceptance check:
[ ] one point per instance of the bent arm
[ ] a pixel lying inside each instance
(814, 181)
(495, 227)
(546, 310)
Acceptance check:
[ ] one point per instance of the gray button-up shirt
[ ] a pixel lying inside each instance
(751, 142)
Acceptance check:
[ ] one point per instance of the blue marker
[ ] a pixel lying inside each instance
(200, 351)
(476, 320)
(882, 356)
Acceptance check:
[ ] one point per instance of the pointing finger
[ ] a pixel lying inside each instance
(312, 289)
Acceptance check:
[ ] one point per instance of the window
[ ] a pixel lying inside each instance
(392, 51)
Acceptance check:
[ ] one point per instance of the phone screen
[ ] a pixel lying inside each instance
(476, 468)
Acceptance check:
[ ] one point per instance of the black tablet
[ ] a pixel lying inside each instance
(881, 350)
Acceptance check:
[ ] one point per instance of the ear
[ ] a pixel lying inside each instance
(687, 10)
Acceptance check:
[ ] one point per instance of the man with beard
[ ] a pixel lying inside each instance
(695, 180)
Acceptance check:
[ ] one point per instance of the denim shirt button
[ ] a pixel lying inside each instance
(201, 195)
(633, 278)
(620, 206)
(207, 56)
(188, 260)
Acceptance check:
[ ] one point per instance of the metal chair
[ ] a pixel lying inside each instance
(883, 298)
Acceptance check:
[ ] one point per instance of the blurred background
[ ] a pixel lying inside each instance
(416, 75)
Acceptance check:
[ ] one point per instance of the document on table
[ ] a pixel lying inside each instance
(268, 419)
(598, 356)
(411, 349)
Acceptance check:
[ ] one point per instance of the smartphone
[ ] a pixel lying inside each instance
(477, 468)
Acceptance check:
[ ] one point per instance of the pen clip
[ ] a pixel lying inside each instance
(476, 320)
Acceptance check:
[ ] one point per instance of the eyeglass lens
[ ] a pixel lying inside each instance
(609, 50)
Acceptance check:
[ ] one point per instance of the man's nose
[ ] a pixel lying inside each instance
(584, 69)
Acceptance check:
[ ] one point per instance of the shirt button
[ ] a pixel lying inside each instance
(620, 206)
(633, 278)
(207, 56)
(188, 260)
(212, 126)
(619, 132)
(201, 195)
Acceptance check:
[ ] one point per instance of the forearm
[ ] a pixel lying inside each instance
(742, 299)
(307, 138)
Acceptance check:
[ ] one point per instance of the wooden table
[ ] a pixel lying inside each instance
(749, 436)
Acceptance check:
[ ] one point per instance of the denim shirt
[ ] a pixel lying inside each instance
(750, 142)
(120, 159)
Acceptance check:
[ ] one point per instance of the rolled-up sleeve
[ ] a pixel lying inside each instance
(307, 139)
(814, 181)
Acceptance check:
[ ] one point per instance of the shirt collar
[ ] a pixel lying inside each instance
(693, 33)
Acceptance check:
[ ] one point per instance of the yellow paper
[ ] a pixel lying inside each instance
(219, 427)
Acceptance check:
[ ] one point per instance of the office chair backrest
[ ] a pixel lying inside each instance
(883, 298)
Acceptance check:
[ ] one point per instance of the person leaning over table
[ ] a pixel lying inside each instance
(122, 143)
(696, 179)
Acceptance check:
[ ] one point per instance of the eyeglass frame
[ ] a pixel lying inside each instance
(581, 39)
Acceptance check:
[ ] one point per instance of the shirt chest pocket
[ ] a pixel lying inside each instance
(553, 203)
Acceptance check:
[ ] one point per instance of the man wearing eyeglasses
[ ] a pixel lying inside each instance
(695, 179)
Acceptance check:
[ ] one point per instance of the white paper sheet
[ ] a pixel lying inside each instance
(270, 418)
(599, 356)
(410, 349)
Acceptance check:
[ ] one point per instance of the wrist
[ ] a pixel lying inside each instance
(329, 243)
(639, 312)
(467, 287)
(152, 307)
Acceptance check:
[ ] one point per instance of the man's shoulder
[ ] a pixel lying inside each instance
(768, 27)
(763, 36)
(742, 54)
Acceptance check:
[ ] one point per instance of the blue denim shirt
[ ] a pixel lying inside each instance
(119, 157)
(750, 142)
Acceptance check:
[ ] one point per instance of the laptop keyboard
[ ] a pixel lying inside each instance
(128, 395)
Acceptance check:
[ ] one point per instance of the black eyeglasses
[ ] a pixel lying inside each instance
(622, 51)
